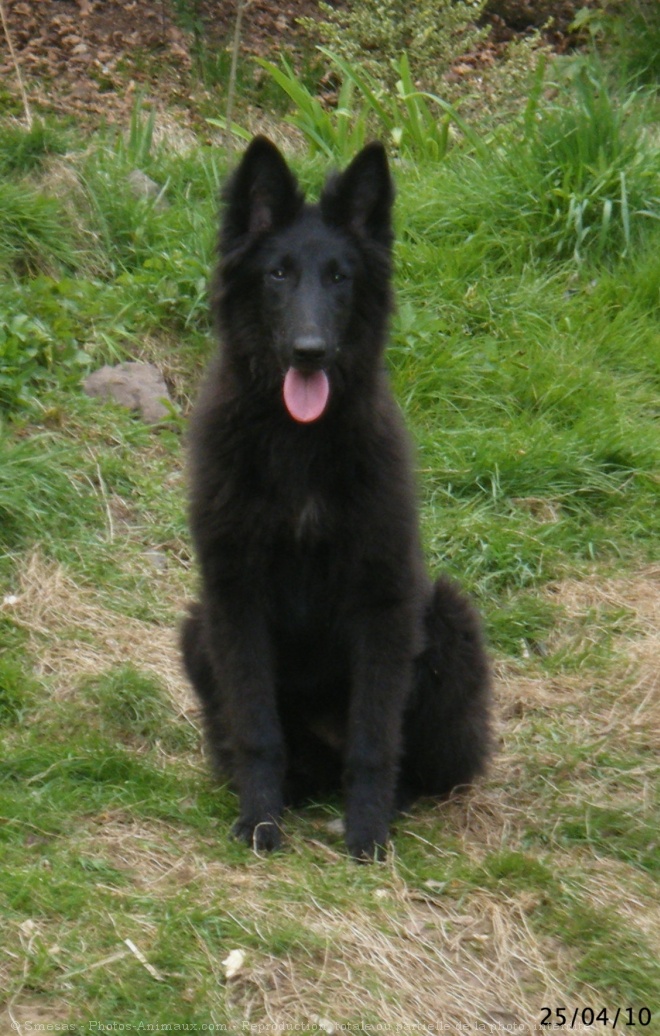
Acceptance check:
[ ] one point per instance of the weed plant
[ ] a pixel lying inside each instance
(414, 122)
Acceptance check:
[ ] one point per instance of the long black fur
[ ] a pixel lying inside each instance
(322, 654)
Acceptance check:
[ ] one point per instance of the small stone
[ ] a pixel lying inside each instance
(138, 386)
(142, 186)
(156, 559)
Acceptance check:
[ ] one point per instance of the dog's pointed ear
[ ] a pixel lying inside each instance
(361, 197)
(261, 195)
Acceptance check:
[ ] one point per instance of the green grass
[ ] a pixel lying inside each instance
(526, 355)
(26, 151)
(35, 234)
(632, 32)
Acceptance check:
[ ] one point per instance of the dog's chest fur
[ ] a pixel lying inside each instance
(309, 518)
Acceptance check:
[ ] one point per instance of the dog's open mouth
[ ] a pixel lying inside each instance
(306, 395)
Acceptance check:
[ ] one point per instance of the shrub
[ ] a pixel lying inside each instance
(376, 32)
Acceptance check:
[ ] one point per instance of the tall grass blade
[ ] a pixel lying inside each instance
(238, 131)
(311, 119)
(625, 212)
(140, 133)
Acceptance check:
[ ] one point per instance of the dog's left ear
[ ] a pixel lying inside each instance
(262, 195)
(361, 197)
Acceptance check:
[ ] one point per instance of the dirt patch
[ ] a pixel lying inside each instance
(33, 1017)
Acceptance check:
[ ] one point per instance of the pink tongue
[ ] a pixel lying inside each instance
(306, 395)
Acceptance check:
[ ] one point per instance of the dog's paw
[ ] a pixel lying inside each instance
(367, 846)
(263, 836)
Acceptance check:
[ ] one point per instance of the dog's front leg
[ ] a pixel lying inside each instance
(382, 673)
(242, 657)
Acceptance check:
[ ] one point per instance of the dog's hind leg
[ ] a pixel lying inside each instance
(447, 737)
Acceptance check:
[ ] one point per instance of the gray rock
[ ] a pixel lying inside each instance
(138, 386)
(142, 186)
(156, 559)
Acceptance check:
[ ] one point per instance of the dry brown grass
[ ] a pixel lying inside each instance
(407, 966)
(404, 959)
(409, 956)
(74, 635)
(638, 644)
(625, 699)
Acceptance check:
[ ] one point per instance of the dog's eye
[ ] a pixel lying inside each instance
(278, 273)
(337, 277)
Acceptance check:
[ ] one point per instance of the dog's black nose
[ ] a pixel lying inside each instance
(309, 349)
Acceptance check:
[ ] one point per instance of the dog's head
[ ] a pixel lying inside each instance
(303, 290)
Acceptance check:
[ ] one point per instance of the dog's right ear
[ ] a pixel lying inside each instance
(261, 195)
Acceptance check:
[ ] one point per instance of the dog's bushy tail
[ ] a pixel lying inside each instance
(447, 734)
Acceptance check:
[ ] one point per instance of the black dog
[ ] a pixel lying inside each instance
(321, 652)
